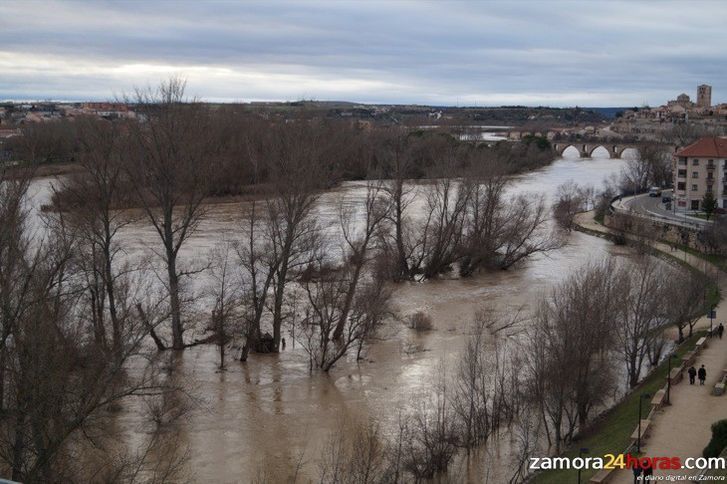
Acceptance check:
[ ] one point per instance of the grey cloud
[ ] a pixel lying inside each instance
(589, 53)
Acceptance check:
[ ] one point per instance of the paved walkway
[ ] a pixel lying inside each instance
(683, 428)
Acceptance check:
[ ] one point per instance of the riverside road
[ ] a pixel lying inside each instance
(652, 207)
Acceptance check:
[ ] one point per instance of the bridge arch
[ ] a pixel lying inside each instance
(592, 148)
(579, 147)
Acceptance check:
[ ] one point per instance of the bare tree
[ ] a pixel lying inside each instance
(501, 232)
(400, 197)
(359, 248)
(59, 381)
(682, 134)
(295, 163)
(355, 454)
(170, 167)
(714, 236)
(258, 261)
(429, 438)
(224, 292)
(526, 432)
(483, 394)
(91, 198)
(651, 168)
(442, 233)
(644, 285)
(684, 299)
(568, 348)
(18, 264)
(326, 289)
(53, 142)
(569, 200)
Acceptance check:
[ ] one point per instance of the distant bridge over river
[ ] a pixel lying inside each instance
(586, 149)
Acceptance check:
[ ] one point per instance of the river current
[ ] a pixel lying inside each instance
(268, 412)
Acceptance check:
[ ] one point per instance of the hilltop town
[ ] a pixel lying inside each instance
(650, 122)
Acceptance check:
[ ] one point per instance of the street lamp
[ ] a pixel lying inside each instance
(668, 381)
(582, 451)
(638, 434)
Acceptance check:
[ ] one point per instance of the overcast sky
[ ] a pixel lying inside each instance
(584, 53)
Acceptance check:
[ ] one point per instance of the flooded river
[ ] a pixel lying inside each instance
(271, 410)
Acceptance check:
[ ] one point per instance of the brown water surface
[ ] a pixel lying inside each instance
(271, 409)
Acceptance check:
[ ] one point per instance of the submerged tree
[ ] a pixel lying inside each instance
(170, 165)
(60, 382)
(485, 386)
(502, 231)
(90, 200)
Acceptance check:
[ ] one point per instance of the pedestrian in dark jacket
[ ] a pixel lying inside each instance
(702, 374)
(692, 374)
(720, 330)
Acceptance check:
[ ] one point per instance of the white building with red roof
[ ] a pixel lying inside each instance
(701, 168)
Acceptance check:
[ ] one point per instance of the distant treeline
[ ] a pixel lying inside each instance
(238, 147)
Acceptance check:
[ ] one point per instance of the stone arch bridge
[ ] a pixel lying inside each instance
(586, 149)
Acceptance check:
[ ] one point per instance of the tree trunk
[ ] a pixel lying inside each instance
(278, 310)
(18, 448)
(338, 332)
(175, 306)
(111, 295)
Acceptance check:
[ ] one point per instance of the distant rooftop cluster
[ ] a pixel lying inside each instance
(683, 108)
(648, 121)
(15, 114)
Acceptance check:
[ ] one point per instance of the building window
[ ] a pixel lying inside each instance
(695, 204)
(695, 162)
(694, 188)
(681, 186)
(695, 174)
(682, 161)
(682, 173)
(724, 203)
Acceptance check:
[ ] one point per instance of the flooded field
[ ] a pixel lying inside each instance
(270, 411)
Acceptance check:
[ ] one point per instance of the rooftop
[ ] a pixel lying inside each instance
(708, 146)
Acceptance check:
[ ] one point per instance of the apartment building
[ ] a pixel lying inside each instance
(699, 168)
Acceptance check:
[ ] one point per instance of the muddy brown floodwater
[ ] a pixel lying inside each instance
(271, 409)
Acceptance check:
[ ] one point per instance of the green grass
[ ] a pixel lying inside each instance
(703, 216)
(718, 260)
(611, 433)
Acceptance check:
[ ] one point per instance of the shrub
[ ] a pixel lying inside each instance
(420, 321)
(719, 440)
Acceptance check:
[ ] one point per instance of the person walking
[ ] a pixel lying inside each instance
(720, 330)
(636, 469)
(692, 374)
(702, 374)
